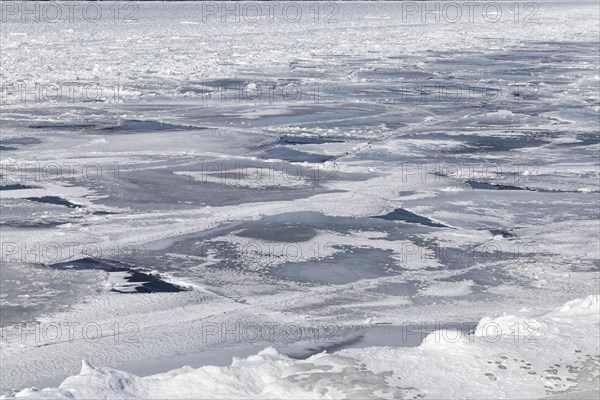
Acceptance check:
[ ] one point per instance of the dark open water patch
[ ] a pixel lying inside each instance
(25, 140)
(63, 127)
(288, 139)
(496, 186)
(470, 143)
(502, 232)
(53, 200)
(291, 155)
(8, 144)
(15, 186)
(400, 214)
(492, 186)
(102, 212)
(136, 281)
(588, 139)
(148, 126)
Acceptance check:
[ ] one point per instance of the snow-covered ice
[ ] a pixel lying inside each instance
(354, 203)
(497, 358)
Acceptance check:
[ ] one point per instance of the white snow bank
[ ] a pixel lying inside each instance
(268, 374)
(557, 356)
(589, 305)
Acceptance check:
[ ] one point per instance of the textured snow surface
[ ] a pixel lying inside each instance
(554, 356)
(181, 221)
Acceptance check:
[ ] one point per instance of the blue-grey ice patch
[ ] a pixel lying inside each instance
(132, 126)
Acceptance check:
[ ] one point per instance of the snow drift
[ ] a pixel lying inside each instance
(506, 357)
